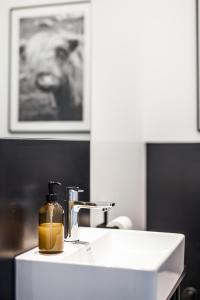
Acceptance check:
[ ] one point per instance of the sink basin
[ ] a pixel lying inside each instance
(107, 264)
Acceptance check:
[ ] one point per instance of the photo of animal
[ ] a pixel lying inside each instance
(51, 64)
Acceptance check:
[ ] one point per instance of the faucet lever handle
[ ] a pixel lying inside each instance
(72, 192)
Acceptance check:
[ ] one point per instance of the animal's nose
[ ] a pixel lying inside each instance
(46, 80)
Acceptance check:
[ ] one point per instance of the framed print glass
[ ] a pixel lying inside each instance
(50, 68)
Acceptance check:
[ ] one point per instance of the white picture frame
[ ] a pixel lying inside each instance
(49, 78)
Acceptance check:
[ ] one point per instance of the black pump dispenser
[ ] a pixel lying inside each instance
(52, 196)
(51, 223)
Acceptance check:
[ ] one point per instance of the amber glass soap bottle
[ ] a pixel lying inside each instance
(51, 223)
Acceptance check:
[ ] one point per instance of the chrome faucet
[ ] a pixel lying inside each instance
(73, 207)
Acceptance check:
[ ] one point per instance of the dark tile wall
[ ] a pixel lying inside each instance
(173, 198)
(26, 166)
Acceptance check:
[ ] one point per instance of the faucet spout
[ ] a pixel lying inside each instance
(73, 208)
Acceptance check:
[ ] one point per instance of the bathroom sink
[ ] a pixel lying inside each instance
(107, 264)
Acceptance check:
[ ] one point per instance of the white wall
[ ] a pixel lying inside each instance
(117, 151)
(168, 71)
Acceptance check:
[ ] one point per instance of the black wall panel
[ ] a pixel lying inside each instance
(25, 168)
(173, 198)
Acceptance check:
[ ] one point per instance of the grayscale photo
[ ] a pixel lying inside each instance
(51, 67)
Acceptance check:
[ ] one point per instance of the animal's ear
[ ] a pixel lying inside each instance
(46, 23)
(73, 44)
(22, 51)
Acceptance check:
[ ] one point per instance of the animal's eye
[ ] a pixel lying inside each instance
(61, 53)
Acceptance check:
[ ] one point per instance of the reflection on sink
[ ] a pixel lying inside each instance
(106, 264)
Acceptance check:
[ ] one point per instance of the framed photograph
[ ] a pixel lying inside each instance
(49, 81)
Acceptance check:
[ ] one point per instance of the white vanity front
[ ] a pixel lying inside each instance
(107, 264)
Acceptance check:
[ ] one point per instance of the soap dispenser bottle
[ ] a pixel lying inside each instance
(51, 223)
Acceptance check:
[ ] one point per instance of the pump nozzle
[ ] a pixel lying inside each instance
(52, 196)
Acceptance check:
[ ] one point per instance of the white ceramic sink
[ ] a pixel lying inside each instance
(107, 264)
